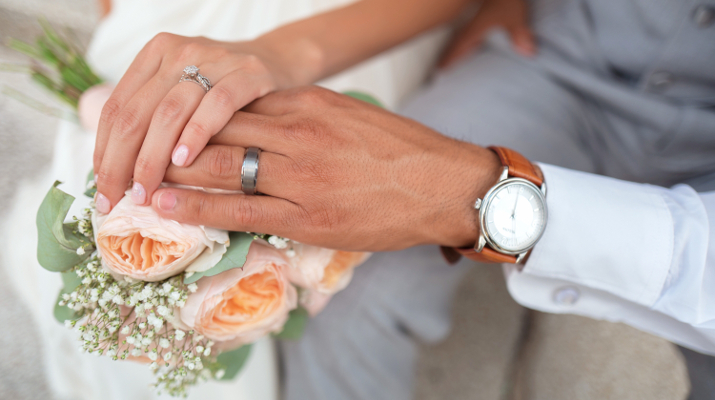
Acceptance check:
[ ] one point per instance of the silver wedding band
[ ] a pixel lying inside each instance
(191, 74)
(249, 170)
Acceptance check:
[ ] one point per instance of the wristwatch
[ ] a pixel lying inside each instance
(512, 215)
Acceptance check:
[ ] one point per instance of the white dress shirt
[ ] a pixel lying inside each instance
(625, 252)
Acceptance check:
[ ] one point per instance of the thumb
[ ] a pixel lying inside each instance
(523, 40)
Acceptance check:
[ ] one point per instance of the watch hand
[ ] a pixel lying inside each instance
(513, 212)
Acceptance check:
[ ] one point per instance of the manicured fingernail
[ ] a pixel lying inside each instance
(180, 155)
(167, 201)
(102, 203)
(138, 193)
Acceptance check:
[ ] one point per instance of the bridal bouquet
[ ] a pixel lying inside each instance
(186, 300)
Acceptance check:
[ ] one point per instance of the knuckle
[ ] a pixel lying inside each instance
(200, 207)
(110, 110)
(253, 64)
(219, 53)
(145, 166)
(189, 51)
(323, 218)
(312, 96)
(126, 124)
(162, 39)
(222, 97)
(106, 178)
(220, 163)
(305, 130)
(197, 130)
(169, 109)
(244, 213)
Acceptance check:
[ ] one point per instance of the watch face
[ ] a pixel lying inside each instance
(515, 216)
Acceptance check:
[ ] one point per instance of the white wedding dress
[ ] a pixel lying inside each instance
(117, 40)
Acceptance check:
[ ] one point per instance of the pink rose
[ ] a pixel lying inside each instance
(134, 241)
(323, 270)
(241, 305)
(90, 105)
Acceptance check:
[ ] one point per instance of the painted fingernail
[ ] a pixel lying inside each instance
(138, 193)
(180, 155)
(102, 203)
(167, 201)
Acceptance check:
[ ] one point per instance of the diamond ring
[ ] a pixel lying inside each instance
(191, 74)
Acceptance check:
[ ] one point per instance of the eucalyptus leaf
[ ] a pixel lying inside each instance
(294, 327)
(231, 362)
(364, 97)
(57, 244)
(70, 280)
(91, 191)
(234, 257)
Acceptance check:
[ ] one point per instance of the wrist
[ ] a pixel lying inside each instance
(470, 176)
(292, 61)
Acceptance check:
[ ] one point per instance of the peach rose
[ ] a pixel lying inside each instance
(134, 241)
(241, 305)
(322, 270)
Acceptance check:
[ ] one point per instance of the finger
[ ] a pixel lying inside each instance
(253, 130)
(220, 167)
(523, 41)
(237, 212)
(125, 140)
(274, 104)
(142, 69)
(230, 94)
(465, 43)
(169, 119)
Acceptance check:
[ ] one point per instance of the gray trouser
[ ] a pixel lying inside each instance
(363, 345)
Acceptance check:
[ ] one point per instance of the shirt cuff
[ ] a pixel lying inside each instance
(606, 234)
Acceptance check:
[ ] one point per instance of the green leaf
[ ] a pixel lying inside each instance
(90, 192)
(74, 79)
(294, 327)
(364, 97)
(56, 242)
(24, 48)
(70, 280)
(52, 35)
(231, 362)
(234, 257)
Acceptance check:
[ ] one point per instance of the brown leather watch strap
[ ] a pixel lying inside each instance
(518, 165)
(487, 255)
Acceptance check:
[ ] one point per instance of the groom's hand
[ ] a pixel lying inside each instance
(335, 172)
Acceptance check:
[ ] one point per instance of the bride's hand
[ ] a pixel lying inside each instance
(335, 172)
(511, 15)
(151, 119)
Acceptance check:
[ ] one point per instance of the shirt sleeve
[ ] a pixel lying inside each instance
(645, 246)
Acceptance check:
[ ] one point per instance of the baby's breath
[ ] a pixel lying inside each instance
(130, 318)
(278, 242)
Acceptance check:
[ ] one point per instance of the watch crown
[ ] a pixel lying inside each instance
(478, 204)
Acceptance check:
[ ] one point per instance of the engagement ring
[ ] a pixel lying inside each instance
(191, 74)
